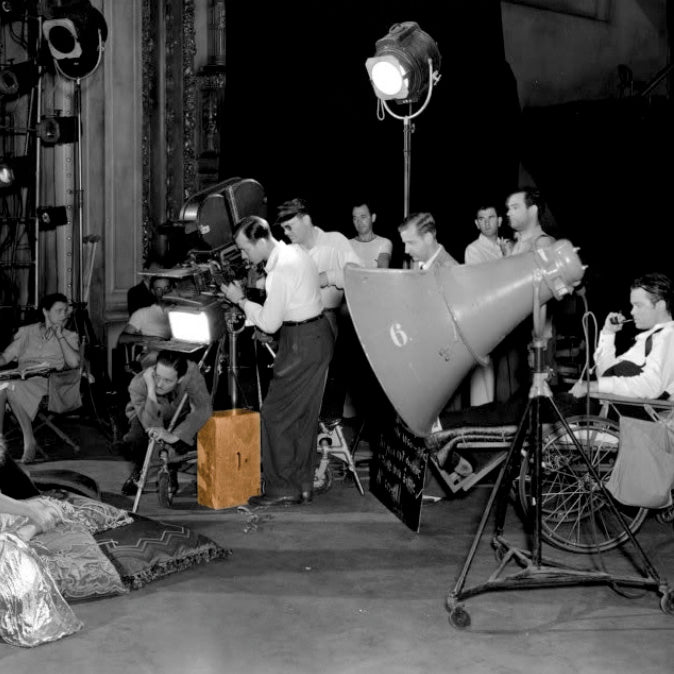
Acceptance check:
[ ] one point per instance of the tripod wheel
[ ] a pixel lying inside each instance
(667, 602)
(459, 618)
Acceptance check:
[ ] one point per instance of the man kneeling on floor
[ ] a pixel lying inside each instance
(155, 395)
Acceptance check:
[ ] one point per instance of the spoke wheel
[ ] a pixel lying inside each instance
(576, 515)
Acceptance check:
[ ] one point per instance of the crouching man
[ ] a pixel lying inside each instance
(155, 395)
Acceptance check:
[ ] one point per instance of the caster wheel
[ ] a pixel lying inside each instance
(459, 618)
(164, 491)
(322, 480)
(667, 602)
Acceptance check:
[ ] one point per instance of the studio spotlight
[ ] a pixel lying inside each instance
(18, 79)
(51, 217)
(400, 70)
(57, 129)
(16, 172)
(75, 34)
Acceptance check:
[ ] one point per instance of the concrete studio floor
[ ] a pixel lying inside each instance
(342, 586)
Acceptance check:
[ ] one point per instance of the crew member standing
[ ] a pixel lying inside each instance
(289, 415)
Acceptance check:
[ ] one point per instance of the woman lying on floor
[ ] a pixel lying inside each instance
(45, 343)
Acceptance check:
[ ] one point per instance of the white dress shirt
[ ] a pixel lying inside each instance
(293, 289)
(483, 249)
(657, 375)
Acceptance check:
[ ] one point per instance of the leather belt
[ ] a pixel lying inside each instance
(304, 322)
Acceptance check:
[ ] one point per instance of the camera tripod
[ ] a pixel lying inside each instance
(535, 571)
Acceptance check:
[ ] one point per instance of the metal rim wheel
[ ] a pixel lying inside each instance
(322, 479)
(164, 491)
(576, 516)
(459, 618)
(667, 602)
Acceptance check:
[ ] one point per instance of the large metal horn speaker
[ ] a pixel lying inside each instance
(423, 331)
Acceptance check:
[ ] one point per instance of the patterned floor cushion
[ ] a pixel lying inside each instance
(147, 549)
(77, 564)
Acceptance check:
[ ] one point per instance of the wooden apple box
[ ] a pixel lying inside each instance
(228, 459)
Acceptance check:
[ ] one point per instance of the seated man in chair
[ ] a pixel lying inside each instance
(155, 395)
(646, 370)
(45, 343)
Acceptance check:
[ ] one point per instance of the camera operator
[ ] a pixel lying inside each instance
(290, 410)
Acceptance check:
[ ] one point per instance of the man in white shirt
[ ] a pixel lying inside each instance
(374, 251)
(331, 252)
(488, 245)
(646, 370)
(419, 236)
(486, 248)
(152, 321)
(289, 414)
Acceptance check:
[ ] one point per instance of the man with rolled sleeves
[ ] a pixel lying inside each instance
(293, 308)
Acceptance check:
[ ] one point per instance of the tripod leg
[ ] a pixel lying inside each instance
(499, 492)
(508, 469)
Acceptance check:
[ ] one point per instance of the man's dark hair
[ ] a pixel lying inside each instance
(658, 286)
(48, 301)
(424, 223)
(175, 360)
(253, 228)
(289, 209)
(485, 204)
(533, 197)
(359, 200)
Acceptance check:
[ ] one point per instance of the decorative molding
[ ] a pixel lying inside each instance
(189, 101)
(149, 78)
(599, 10)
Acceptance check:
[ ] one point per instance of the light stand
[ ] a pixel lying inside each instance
(76, 41)
(408, 129)
(406, 63)
(536, 571)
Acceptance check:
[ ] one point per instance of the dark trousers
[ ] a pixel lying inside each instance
(137, 441)
(289, 416)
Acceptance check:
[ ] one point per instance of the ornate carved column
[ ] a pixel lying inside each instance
(210, 99)
(169, 110)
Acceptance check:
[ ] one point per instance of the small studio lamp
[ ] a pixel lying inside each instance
(197, 324)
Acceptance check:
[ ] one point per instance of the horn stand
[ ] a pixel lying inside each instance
(537, 572)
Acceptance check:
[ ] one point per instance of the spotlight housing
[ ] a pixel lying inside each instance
(51, 217)
(75, 35)
(202, 323)
(399, 69)
(18, 79)
(57, 130)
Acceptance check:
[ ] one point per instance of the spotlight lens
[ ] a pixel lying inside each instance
(388, 77)
(62, 39)
(6, 176)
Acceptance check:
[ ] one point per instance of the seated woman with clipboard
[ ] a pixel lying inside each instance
(39, 349)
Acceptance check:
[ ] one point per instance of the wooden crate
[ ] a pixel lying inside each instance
(228, 463)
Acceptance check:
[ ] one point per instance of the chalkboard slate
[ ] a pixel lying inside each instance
(397, 472)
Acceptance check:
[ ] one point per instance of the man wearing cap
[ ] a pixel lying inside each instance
(289, 414)
(331, 252)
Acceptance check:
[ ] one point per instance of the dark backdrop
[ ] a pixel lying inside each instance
(300, 113)
(300, 117)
